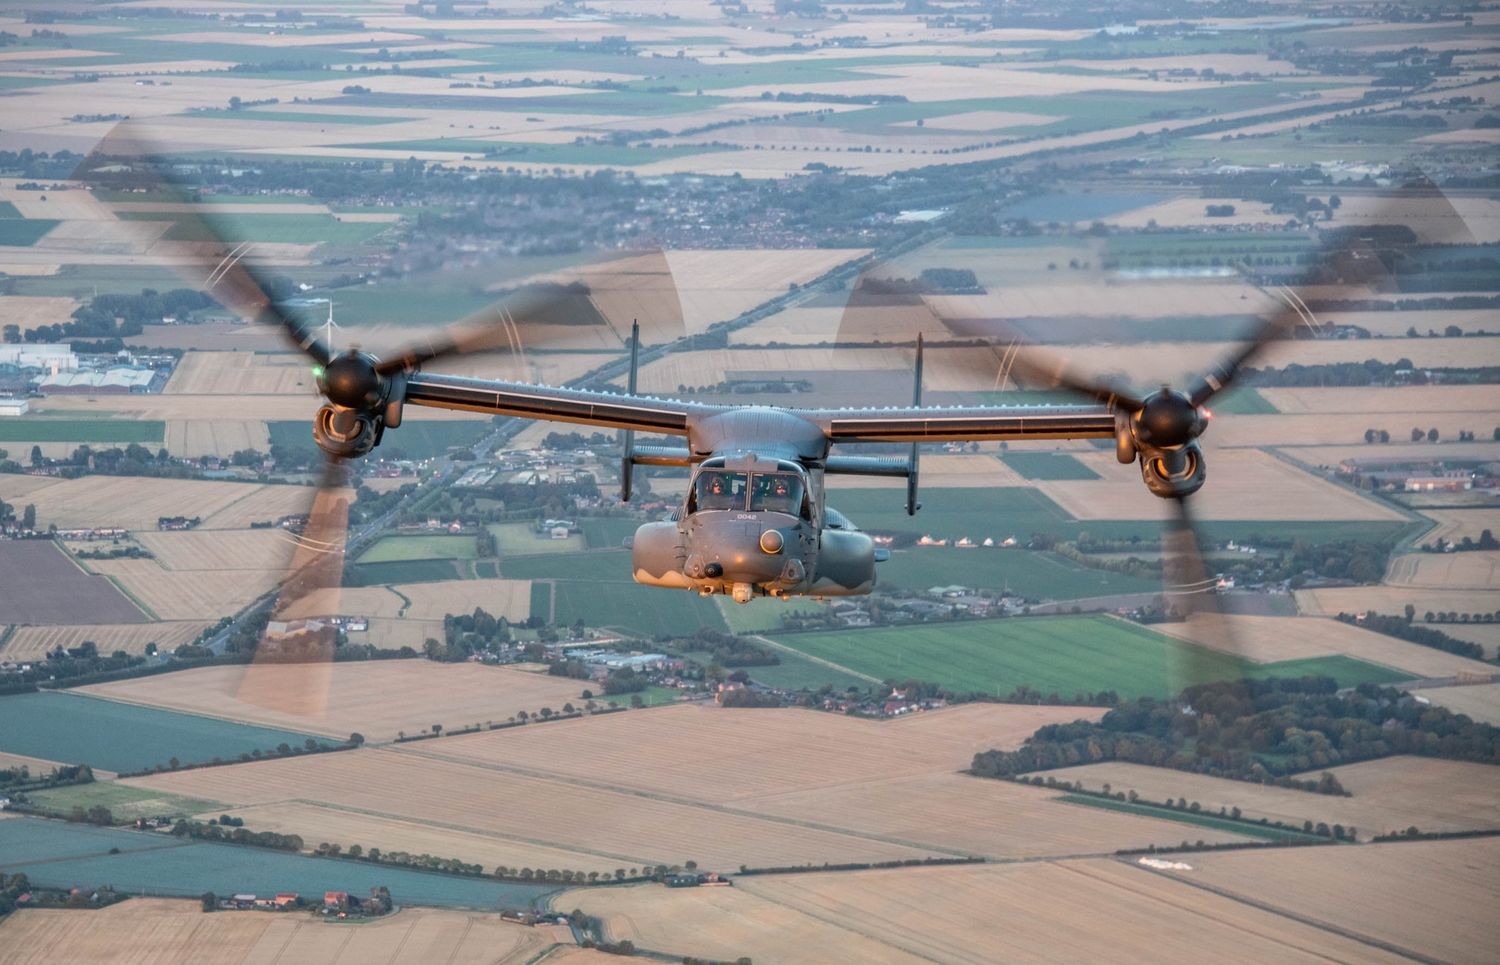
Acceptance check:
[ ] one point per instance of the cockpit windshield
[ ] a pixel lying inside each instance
(775, 492)
(769, 492)
(721, 489)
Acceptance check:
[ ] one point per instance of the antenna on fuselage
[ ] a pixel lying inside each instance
(627, 448)
(911, 463)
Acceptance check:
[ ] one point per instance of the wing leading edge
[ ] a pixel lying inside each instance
(965, 423)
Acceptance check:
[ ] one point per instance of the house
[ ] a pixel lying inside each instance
(336, 899)
(242, 901)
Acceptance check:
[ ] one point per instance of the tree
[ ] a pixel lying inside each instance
(1416, 435)
(1369, 436)
(209, 900)
(437, 729)
(1432, 435)
(28, 517)
(37, 459)
(1411, 612)
(357, 739)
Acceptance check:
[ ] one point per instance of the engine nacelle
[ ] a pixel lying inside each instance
(346, 433)
(1173, 473)
(657, 555)
(846, 564)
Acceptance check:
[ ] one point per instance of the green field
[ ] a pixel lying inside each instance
(1035, 576)
(28, 429)
(521, 539)
(59, 854)
(1048, 465)
(404, 571)
(1002, 512)
(763, 614)
(422, 439)
(75, 729)
(125, 803)
(603, 566)
(391, 549)
(1064, 655)
(641, 610)
(24, 232)
(302, 229)
(608, 533)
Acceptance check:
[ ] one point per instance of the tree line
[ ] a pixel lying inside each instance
(1254, 730)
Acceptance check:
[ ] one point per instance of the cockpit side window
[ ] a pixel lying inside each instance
(719, 489)
(779, 492)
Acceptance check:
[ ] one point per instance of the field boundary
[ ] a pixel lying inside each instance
(817, 660)
(688, 802)
(1294, 916)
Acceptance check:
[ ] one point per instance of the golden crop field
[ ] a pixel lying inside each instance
(1479, 701)
(1022, 912)
(187, 594)
(1388, 795)
(157, 931)
(1328, 601)
(423, 785)
(241, 549)
(1455, 524)
(137, 504)
(976, 816)
(1435, 898)
(1243, 484)
(707, 753)
(216, 437)
(1271, 639)
(1416, 400)
(316, 823)
(433, 601)
(1425, 321)
(241, 373)
(1487, 635)
(1446, 571)
(376, 698)
(1346, 429)
(34, 643)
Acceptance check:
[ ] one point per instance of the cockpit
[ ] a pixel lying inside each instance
(778, 491)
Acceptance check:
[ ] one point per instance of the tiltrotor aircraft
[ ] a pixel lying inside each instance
(756, 519)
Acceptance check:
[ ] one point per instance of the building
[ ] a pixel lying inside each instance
(13, 407)
(116, 380)
(48, 358)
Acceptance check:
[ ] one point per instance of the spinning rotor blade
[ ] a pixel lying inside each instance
(125, 164)
(290, 672)
(1190, 590)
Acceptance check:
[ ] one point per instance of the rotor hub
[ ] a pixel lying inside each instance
(351, 381)
(1168, 419)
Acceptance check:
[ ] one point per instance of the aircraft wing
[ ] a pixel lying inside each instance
(578, 406)
(966, 423)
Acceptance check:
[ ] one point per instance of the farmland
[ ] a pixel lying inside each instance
(35, 642)
(1389, 795)
(723, 789)
(156, 931)
(1272, 639)
(411, 164)
(1063, 655)
(56, 854)
(958, 914)
(119, 737)
(377, 699)
(1366, 890)
(42, 585)
(125, 502)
